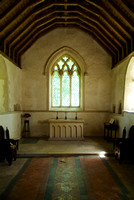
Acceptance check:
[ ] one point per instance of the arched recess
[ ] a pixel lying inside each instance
(129, 87)
(51, 62)
(3, 86)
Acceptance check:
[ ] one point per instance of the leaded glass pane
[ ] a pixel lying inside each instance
(65, 58)
(56, 68)
(65, 68)
(60, 63)
(70, 63)
(65, 89)
(74, 68)
(75, 90)
(55, 89)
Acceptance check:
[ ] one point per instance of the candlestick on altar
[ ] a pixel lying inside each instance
(76, 116)
(57, 116)
(65, 115)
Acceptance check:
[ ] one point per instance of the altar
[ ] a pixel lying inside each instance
(66, 129)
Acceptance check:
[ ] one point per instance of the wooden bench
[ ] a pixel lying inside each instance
(124, 148)
(8, 148)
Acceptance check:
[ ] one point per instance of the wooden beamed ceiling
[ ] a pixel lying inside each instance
(110, 22)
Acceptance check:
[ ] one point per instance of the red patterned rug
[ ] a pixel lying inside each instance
(66, 178)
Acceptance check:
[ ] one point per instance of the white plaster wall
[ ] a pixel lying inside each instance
(93, 125)
(98, 64)
(118, 84)
(3, 86)
(12, 118)
(128, 120)
(129, 87)
(14, 84)
(97, 82)
(124, 119)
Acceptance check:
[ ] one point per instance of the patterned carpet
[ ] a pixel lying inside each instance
(66, 178)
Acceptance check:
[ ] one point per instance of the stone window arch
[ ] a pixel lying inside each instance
(65, 69)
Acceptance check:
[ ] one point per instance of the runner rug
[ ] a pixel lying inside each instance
(66, 178)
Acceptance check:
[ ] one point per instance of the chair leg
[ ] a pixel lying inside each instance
(9, 159)
(122, 154)
(14, 153)
(116, 156)
(9, 155)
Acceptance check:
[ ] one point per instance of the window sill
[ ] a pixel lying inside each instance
(65, 109)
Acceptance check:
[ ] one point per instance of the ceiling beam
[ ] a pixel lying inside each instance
(109, 22)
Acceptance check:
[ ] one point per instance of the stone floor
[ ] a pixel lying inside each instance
(29, 147)
(90, 145)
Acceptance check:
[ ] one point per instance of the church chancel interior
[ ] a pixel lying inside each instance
(69, 57)
(69, 65)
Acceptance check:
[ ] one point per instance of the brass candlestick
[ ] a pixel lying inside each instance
(65, 115)
(76, 116)
(57, 116)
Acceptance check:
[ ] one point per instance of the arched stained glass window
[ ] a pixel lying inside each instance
(65, 83)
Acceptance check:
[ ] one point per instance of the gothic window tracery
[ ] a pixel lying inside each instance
(65, 81)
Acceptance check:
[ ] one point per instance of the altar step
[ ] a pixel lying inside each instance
(44, 147)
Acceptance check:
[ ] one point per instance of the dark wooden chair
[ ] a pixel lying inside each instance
(2, 153)
(13, 144)
(8, 148)
(124, 149)
(109, 128)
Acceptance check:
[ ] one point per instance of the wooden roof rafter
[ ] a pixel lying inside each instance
(109, 22)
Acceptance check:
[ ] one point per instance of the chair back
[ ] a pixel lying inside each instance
(124, 133)
(1, 133)
(7, 133)
(131, 132)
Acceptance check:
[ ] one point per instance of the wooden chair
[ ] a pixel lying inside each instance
(2, 152)
(109, 128)
(8, 148)
(125, 148)
(13, 144)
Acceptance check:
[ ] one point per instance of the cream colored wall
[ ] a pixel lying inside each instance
(128, 120)
(9, 117)
(118, 84)
(93, 125)
(124, 119)
(97, 82)
(12, 120)
(28, 88)
(3, 86)
(129, 87)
